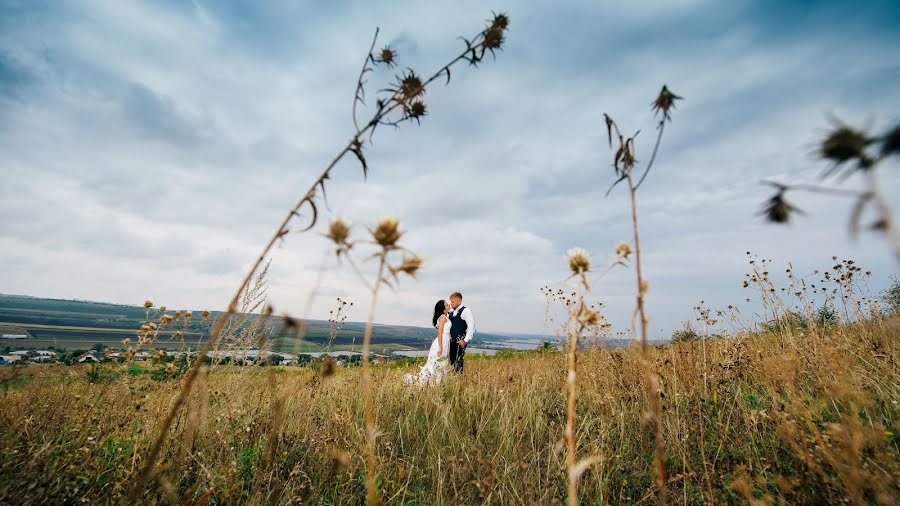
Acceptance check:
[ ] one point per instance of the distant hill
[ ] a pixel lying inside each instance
(80, 324)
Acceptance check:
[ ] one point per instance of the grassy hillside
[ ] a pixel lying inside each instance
(69, 324)
(802, 415)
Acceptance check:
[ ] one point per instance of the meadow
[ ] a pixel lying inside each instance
(794, 415)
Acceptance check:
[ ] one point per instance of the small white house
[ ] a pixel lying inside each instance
(10, 358)
(86, 357)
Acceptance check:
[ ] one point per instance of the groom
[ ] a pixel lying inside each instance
(462, 328)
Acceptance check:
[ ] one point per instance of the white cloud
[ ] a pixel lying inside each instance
(147, 151)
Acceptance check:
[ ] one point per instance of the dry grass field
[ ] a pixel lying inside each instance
(804, 416)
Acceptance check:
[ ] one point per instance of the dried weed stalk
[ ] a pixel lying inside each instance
(402, 101)
(385, 237)
(581, 318)
(624, 162)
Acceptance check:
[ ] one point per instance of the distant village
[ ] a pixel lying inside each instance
(100, 353)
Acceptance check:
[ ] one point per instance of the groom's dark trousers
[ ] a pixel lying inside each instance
(457, 353)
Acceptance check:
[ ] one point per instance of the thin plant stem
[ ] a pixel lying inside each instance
(650, 380)
(371, 485)
(147, 472)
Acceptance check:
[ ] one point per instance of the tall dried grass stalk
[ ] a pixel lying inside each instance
(405, 97)
(624, 162)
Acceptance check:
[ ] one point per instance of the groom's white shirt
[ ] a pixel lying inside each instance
(470, 323)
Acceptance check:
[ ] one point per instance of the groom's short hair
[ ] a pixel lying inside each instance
(456, 294)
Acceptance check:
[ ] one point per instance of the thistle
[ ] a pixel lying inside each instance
(387, 232)
(579, 261)
(665, 102)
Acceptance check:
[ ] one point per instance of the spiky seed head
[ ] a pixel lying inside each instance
(205, 313)
(493, 38)
(623, 249)
(579, 260)
(411, 86)
(162, 309)
(165, 319)
(339, 231)
(500, 21)
(410, 265)
(844, 144)
(416, 109)
(387, 55)
(665, 102)
(589, 317)
(148, 304)
(187, 314)
(778, 210)
(387, 232)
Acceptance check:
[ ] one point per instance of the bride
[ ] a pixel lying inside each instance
(436, 365)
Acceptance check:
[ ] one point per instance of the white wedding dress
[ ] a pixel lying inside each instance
(436, 366)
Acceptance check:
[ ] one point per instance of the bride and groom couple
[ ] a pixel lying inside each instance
(455, 328)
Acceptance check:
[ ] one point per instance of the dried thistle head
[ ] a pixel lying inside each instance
(148, 304)
(188, 314)
(410, 86)
(494, 35)
(777, 209)
(416, 110)
(409, 266)
(623, 249)
(500, 21)
(387, 232)
(579, 260)
(338, 231)
(665, 102)
(205, 314)
(165, 319)
(844, 144)
(589, 317)
(387, 55)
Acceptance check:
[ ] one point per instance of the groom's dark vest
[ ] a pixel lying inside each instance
(458, 326)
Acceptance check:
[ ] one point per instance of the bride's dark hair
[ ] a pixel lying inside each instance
(438, 311)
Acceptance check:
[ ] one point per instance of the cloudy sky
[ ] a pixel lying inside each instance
(149, 149)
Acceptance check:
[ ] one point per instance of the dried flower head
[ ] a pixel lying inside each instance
(778, 210)
(416, 110)
(665, 102)
(162, 309)
(493, 38)
(409, 265)
(387, 232)
(589, 317)
(623, 249)
(844, 144)
(339, 231)
(500, 21)
(410, 86)
(579, 260)
(205, 313)
(148, 304)
(165, 319)
(387, 55)
(187, 314)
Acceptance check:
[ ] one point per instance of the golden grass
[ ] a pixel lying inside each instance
(783, 418)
